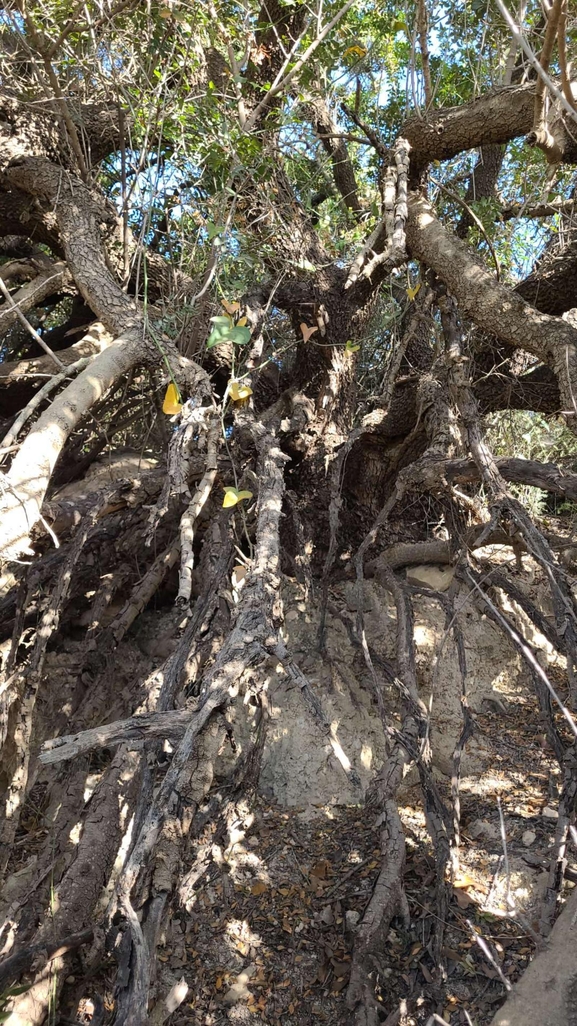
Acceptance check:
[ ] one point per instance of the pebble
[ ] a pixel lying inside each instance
(550, 813)
(352, 919)
(291, 615)
(528, 837)
(481, 829)
(239, 990)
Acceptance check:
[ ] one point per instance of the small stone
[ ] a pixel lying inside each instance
(352, 920)
(326, 916)
(238, 992)
(481, 829)
(253, 842)
(71, 979)
(291, 615)
(528, 837)
(550, 813)
(431, 576)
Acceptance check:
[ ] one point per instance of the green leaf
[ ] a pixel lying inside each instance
(239, 335)
(212, 230)
(225, 330)
(220, 333)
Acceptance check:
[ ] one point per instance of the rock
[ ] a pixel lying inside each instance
(431, 576)
(528, 837)
(352, 920)
(292, 615)
(481, 829)
(550, 813)
(239, 990)
(326, 916)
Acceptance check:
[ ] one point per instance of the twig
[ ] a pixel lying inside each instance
(422, 29)
(525, 650)
(36, 400)
(533, 60)
(487, 902)
(505, 852)
(32, 331)
(487, 953)
(463, 203)
(283, 80)
(562, 47)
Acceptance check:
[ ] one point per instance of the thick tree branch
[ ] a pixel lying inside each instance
(133, 732)
(489, 120)
(491, 305)
(335, 146)
(79, 214)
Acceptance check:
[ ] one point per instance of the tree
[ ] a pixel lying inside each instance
(248, 247)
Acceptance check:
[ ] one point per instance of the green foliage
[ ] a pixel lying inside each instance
(181, 72)
(225, 330)
(530, 436)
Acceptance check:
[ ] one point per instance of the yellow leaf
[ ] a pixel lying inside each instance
(232, 496)
(231, 308)
(464, 880)
(239, 390)
(306, 331)
(413, 292)
(218, 983)
(172, 403)
(355, 51)
(242, 322)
